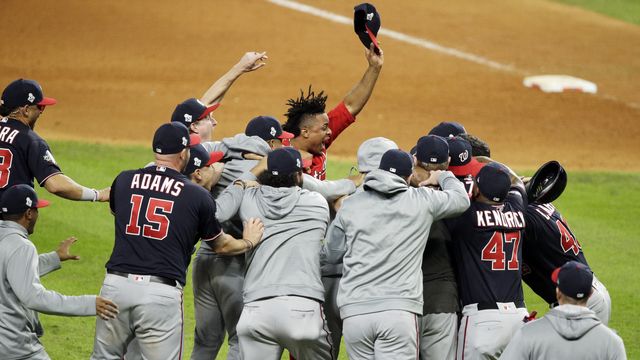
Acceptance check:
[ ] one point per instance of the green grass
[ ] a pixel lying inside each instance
(625, 10)
(601, 208)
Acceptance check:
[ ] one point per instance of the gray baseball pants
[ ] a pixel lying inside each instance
(267, 327)
(600, 301)
(217, 296)
(148, 311)
(484, 334)
(389, 335)
(438, 336)
(334, 322)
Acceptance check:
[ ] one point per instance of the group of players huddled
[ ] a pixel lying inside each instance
(420, 254)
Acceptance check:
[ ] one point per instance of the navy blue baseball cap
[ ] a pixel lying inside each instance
(574, 279)
(462, 161)
(199, 157)
(432, 149)
(397, 162)
(191, 110)
(366, 24)
(284, 161)
(23, 92)
(171, 138)
(18, 198)
(494, 182)
(448, 128)
(267, 128)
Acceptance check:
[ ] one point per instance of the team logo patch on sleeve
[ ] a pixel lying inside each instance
(48, 156)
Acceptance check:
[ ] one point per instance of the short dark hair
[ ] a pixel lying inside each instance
(309, 104)
(289, 180)
(4, 110)
(13, 217)
(478, 147)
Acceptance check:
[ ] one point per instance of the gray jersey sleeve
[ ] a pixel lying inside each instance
(335, 244)
(22, 275)
(228, 203)
(48, 262)
(329, 189)
(453, 200)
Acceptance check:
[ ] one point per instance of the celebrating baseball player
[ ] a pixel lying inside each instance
(159, 216)
(571, 330)
(22, 295)
(314, 129)
(439, 321)
(24, 155)
(488, 256)
(380, 293)
(283, 292)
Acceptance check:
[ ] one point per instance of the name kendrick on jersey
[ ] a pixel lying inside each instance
(493, 218)
(157, 183)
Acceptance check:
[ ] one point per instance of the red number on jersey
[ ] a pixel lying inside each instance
(6, 158)
(158, 223)
(567, 241)
(494, 250)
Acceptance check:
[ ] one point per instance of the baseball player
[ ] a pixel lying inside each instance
(282, 291)
(315, 130)
(439, 321)
(380, 235)
(369, 154)
(159, 216)
(487, 251)
(549, 243)
(570, 330)
(24, 155)
(22, 295)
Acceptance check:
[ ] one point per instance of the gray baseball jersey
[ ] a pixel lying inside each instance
(22, 295)
(283, 292)
(565, 332)
(382, 233)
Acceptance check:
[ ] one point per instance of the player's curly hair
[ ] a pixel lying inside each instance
(289, 180)
(310, 104)
(478, 147)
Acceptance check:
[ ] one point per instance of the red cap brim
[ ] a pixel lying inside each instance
(214, 157)
(554, 275)
(209, 110)
(42, 203)
(194, 139)
(372, 37)
(286, 135)
(472, 168)
(47, 101)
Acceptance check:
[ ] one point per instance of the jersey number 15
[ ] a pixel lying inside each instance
(494, 250)
(157, 223)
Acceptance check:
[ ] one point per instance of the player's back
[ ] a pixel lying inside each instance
(548, 243)
(159, 217)
(23, 155)
(487, 250)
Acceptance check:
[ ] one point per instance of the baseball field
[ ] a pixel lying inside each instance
(118, 69)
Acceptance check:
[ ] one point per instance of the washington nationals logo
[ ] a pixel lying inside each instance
(464, 156)
(185, 141)
(31, 98)
(197, 161)
(188, 118)
(29, 202)
(273, 131)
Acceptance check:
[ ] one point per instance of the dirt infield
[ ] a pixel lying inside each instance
(119, 67)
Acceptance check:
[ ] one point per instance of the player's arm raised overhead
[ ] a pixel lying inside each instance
(360, 94)
(225, 244)
(250, 61)
(64, 186)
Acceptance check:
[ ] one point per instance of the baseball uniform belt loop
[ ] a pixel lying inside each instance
(152, 278)
(494, 306)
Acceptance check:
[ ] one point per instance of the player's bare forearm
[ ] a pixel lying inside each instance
(249, 62)
(357, 98)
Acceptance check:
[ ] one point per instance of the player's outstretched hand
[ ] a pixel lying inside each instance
(252, 61)
(63, 249)
(253, 229)
(103, 195)
(434, 175)
(106, 309)
(374, 59)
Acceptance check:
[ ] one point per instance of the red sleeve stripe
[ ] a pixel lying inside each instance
(215, 237)
(47, 178)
